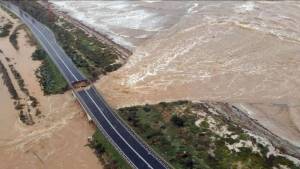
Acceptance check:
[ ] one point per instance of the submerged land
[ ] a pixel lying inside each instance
(41, 143)
(211, 131)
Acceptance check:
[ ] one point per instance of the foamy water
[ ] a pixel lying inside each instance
(126, 22)
(242, 52)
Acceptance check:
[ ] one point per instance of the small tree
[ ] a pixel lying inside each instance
(177, 121)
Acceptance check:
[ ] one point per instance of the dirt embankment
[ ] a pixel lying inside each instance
(59, 136)
(235, 113)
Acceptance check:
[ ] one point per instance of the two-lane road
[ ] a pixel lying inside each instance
(137, 153)
(122, 138)
(47, 40)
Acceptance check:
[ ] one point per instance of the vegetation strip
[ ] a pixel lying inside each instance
(49, 76)
(25, 113)
(91, 56)
(14, 35)
(5, 30)
(26, 104)
(8, 83)
(189, 136)
(53, 82)
(13, 39)
(106, 152)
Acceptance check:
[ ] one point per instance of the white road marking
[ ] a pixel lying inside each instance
(117, 131)
(52, 48)
(86, 91)
(104, 132)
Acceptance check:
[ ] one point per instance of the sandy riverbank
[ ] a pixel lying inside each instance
(57, 139)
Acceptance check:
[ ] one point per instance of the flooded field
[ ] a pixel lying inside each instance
(239, 52)
(59, 136)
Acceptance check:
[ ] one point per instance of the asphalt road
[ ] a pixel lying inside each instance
(133, 149)
(47, 40)
(124, 140)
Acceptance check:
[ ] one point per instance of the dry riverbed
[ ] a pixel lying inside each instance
(58, 137)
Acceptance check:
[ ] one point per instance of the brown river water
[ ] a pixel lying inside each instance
(58, 139)
(245, 53)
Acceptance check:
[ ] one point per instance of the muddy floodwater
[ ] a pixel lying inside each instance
(59, 136)
(128, 23)
(240, 52)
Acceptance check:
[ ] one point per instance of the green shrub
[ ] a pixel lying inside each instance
(51, 79)
(5, 30)
(91, 56)
(13, 40)
(185, 145)
(177, 121)
(8, 83)
(39, 54)
(103, 148)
